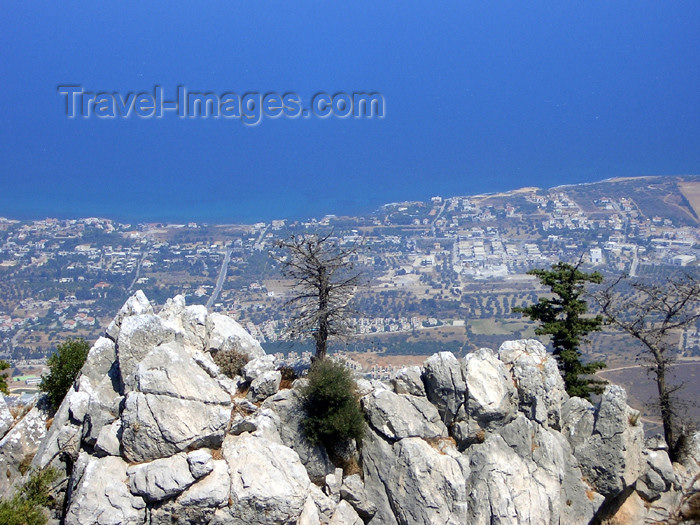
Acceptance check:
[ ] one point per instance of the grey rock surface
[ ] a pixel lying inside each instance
(397, 416)
(223, 333)
(409, 380)
(100, 494)
(21, 442)
(6, 419)
(353, 491)
(540, 386)
(269, 485)
(491, 399)
(611, 458)
(445, 385)
(160, 479)
(265, 385)
(287, 404)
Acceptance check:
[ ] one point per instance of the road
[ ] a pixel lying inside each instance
(635, 264)
(432, 224)
(138, 269)
(220, 280)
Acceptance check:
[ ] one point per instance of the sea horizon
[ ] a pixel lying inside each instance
(222, 213)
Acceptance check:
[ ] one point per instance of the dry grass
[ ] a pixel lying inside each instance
(441, 443)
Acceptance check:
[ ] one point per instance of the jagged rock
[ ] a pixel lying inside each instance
(427, 486)
(150, 393)
(323, 503)
(287, 404)
(345, 515)
(491, 399)
(103, 408)
(161, 478)
(138, 336)
(168, 370)
(107, 443)
(158, 426)
(333, 483)
(408, 380)
(210, 491)
(190, 320)
(99, 360)
(353, 491)
(258, 366)
(269, 485)
(201, 463)
(20, 444)
(265, 385)
(198, 503)
(364, 387)
(445, 385)
(550, 461)
(398, 416)
(540, 386)
(99, 494)
(223, 333)
(6, 419)
(309, 514)
(578, 417)
(174, 405)
(611, 458)
(136, 304)
(659, 476)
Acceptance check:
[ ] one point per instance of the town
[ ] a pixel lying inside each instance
(440, 274)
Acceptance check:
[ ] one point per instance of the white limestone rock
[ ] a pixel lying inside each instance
(408, 380)
(137, 304)
(223, 333)
(540, 386)
(269, 485)
(445, 386)
(397, 416)
(100, 494)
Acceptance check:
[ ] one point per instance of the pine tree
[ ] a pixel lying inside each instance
(562, 318)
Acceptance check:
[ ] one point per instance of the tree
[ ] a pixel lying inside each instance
(4, 365)
(333, 413)
(562, 317)
(654, 315)
(324, 283)
(64, 366)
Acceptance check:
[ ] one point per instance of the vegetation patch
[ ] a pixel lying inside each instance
(231, 362)
(332, 409)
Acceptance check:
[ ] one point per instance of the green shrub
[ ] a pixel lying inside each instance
(231, 362)
(332, 410)
(26, 507)
(4, 365)
(64, 366)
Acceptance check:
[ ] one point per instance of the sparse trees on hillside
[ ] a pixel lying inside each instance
(654, 315)
(324, 282)
(562, 318)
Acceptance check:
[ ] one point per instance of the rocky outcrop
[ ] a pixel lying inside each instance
(152, 432)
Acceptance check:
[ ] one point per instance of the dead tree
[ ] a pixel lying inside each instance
(325, 281)
(654, 315)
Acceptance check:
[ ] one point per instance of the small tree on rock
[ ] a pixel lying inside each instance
(324, 282)
(562, 318)
(64, 366)
(4, 365)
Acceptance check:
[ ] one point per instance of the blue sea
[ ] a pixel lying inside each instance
(478, 97)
